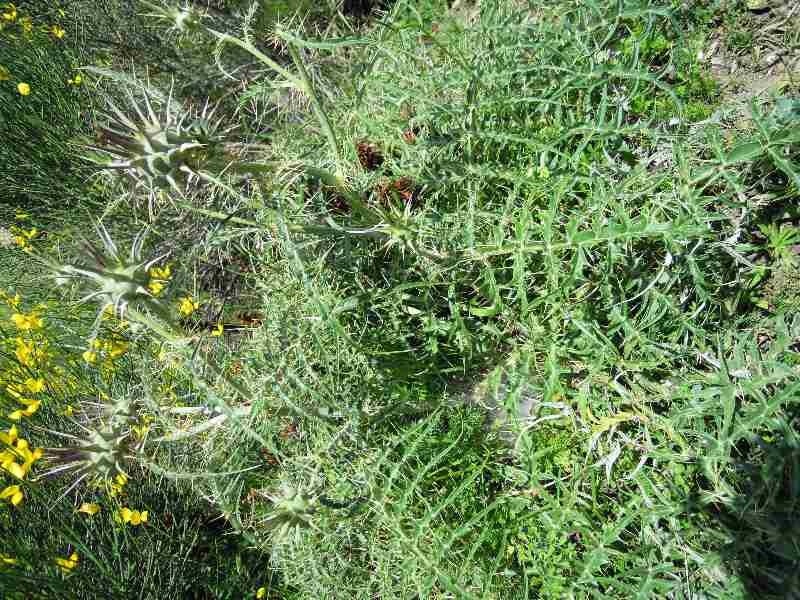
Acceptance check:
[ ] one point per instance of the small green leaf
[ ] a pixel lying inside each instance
(747, 151)
(490, 311)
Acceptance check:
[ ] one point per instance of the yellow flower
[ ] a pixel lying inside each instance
(23, 88)
(13, 493)
(34, 385)
(68, 411)
(11, 467)
(33, 406)
(155, 287)
(11, 12)
(134, 517)
(22, 243)
(261, 592)
(161, 273)
(217, 331)
(67, 564)
(10, 436)
(141, 430)
(90, 356)
(19, 450)
(187, 306)
(24, 451)
(57, 31)
(116, 349)
(90, 508)
(115, 487)
(25, 352)
(159, 278)
(12, 302)
(75, 80)
(26, 322)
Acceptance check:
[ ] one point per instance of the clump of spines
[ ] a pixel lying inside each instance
(166, 150)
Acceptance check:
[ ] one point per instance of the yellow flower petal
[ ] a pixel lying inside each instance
(27, 322)
(116, 349)
(14, 492)
(9, 437)
(33, 406)
(11, 13)
(261, 592)
(34, 385)
(90, 508)
(16, 470)
(24, 89)
(155, 287)
(187, 306)
(67, 564)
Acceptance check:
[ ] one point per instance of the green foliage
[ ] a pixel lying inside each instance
(183, 551)
(505, 332)
(39, 168)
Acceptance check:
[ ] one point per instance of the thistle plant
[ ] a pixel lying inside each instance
(166, 150)
(108, 445)
(119, 281)
(125, 285)
(185, 19)
(190, 21)
(292, 509)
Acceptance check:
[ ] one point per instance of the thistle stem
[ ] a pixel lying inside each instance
(302, 82)
(324, 122)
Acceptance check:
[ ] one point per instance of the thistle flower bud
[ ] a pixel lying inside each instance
(165, 150)
(119, 281)
(108, 443)
(183, 19)
(293, 508)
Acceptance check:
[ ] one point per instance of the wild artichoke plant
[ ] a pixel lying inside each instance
(108, 445)
(167, 150)
(292, 509)
(119, 281)
(184, 19)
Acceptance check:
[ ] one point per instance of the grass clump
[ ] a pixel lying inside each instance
(43, 111)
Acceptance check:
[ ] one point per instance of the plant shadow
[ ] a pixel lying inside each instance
(760, 525)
